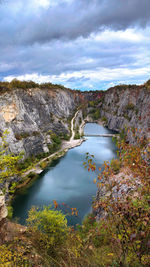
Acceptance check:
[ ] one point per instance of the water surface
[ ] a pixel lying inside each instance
(66, 180)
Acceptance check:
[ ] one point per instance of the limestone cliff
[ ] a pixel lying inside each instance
(128, 107)
(124, 107)
(3, 209)
(30, 114)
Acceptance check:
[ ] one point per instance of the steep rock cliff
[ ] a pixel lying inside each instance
(124, 107)
(30, 114)
(3, 209)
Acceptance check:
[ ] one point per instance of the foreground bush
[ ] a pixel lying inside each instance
(48, 228)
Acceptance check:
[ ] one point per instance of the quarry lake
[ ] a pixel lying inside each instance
(66, 180)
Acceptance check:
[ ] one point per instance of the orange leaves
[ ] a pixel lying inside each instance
(74, 211)
(55, 204)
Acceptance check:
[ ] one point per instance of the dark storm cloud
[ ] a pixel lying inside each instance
(58, 57)
(74, 41)
(20, 24)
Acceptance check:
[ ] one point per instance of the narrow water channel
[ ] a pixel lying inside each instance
(66, 180)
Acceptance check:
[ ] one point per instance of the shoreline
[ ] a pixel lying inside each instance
(26, 181)
(37, 169)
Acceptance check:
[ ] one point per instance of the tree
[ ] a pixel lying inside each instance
(124, 203)
(8, 160)
(48, 228)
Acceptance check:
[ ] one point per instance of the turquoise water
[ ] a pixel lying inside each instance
(66, 180)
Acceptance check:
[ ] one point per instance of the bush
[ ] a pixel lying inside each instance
(32, 175)
(21, 135)
(147, 85)
(49, 227)
(26, 163)
(43, 165)
(77, 136)
(115, 165)
(104, 119)
(10, 212)
(96, 115)
(123, 134)
(130, 106)
(55, 138)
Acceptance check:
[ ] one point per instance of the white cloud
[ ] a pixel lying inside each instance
(94, 78)
(131, 35)
(41, 3)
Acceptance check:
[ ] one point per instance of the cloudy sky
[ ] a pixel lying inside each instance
(83, 44)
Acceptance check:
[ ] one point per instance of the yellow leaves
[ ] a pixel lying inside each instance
(8, 161)
(110, 254)
(10, 256)
(119, 237)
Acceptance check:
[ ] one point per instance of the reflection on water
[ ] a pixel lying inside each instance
(67, 181)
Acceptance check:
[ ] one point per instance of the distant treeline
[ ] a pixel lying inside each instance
(131, 86)
(14, 84)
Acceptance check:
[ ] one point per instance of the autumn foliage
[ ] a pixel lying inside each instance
(124, 206)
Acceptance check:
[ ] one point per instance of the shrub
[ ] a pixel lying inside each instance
(96, 115)
(43, 164)
(129, 106)
(32, 175)
(91, 103)
(123, 134)
(26, 163)
(10, 212)
(55, 138)
(66, 137)
(147, 85)
(77, 135)
(48, 227)
(115, 165)
(104, 119)
(20, 136)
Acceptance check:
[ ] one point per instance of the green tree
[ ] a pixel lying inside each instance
(8, 160)
(48, 228)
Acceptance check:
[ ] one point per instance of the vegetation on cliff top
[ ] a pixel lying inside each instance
(14, 84)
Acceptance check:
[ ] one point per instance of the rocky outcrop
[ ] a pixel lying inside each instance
(117, 187)
(3, 209)
(127, 107)
(30, 114)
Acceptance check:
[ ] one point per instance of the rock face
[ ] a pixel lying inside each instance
(127, 107)
(30, 114)
(3, 209)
